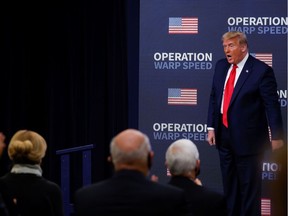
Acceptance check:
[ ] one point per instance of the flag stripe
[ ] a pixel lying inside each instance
(177, 96)
(183, 25)
(265, 57)
(265, 207)
(168, 172)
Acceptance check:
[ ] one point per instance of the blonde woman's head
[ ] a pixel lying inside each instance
(27, 147)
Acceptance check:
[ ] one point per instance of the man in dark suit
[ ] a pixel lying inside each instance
(253, 114)
(182, 160)
(129, 191)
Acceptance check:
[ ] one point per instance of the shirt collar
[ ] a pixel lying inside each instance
(242, 63)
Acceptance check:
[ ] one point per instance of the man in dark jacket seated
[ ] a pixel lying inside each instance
(130, 191)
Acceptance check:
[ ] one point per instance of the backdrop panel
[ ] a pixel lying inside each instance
(178, 62)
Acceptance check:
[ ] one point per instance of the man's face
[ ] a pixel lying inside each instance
(234, 51)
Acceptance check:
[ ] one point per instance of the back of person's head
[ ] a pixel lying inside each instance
(131, 149)
(181, 157)
(27, 147)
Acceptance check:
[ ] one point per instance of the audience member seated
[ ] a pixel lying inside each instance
(3, 208)
(24, 190)
(129, 191)
(182, 160)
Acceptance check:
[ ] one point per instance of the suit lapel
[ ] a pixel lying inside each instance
(245, 73)
(221, 81)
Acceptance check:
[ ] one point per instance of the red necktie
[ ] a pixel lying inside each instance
(228, 93)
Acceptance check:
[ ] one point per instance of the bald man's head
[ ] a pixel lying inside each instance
(129, 140)
(130, 149)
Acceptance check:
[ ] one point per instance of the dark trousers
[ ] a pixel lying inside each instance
(241, 177)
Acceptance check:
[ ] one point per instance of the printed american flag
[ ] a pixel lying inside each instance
(265, 57)
(265, 207)
(177, 96)
(183, 25)
(168, 172)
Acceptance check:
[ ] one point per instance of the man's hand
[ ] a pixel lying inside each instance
(211, 137)
(154, 178)
(198, 181)
(277, 144)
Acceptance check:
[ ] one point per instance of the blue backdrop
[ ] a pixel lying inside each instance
(180, 41)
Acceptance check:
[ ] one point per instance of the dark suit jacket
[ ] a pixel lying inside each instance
(129, 193)
(3, 207)
(254, 103)
(202, 201)
(35, 195)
